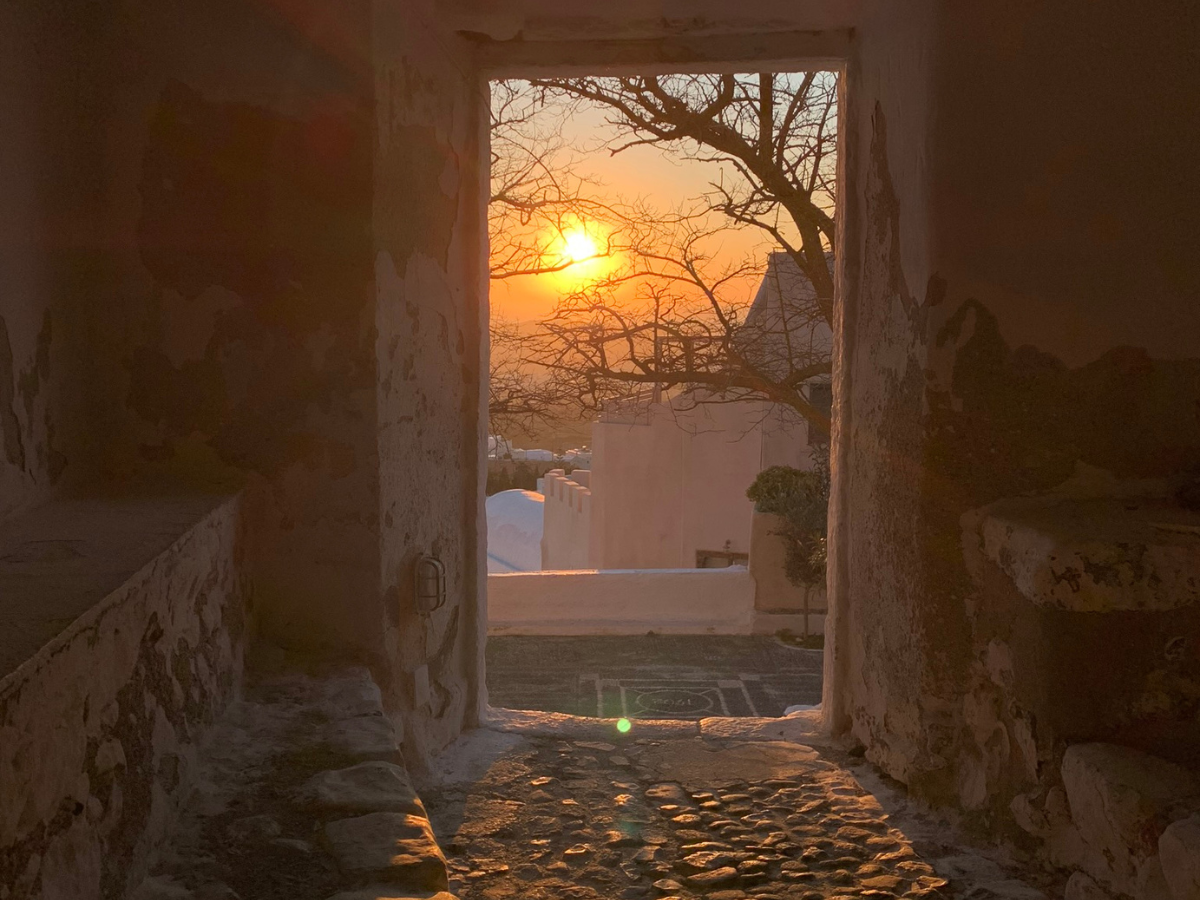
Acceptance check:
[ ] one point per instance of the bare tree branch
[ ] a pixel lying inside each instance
(666, 315)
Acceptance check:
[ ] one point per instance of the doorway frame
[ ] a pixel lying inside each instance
(785, 51)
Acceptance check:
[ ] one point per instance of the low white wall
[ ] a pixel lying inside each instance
(567, 522)
(633, 601)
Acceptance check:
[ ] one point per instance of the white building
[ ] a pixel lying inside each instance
(668, 479)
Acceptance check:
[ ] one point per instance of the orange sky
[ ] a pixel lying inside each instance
(641, 172)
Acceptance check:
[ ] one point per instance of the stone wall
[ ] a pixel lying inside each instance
(773, 591)
(98, 729)
(1019, 302)
(669, 480)
(196, 184)
(633, 601)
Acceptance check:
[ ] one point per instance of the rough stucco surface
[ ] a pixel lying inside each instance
(430, 317)
(248, 351)
(44, 169)
(993, 343)
(97, 729)
(239, 247)
(192, 275)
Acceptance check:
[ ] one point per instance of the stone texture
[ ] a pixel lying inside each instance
(393, 847)
(388, 892)
(362, 736)
(1081, 886)
(1096, 555)
(535, 819)
(253, 829)
(103, 722)
(1179, 855)
(267, 821)
(1121, 801)
(714, 878)
(367, 787)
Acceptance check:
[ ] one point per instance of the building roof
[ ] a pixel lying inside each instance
(784, 328)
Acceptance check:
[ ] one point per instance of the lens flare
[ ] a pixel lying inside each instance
(623, 726)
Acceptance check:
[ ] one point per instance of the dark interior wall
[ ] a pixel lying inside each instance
(224, 265)
(1064, 213)
(1021, 298)
(1070, 177)
(192, 300)
(49, 192)
(239, 343)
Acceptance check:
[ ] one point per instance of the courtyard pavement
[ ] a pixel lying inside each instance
(546, 818)
(652, 676)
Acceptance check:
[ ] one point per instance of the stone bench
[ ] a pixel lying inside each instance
(1097, 554)
(121, 631)
(1092, 618)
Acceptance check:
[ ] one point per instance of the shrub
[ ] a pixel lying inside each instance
(802, 500)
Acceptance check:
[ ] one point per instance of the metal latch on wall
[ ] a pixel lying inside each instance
(430, 584)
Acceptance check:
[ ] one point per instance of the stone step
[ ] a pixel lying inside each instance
(1123, 805)
(301, 791)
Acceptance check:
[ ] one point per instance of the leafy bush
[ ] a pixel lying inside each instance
(802, 500)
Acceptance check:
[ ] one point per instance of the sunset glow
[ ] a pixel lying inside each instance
(578, 247)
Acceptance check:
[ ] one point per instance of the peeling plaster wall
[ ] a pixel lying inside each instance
(98, 730)
(239, 250)
(431, 318)
(47, 170)
(238, 343)
(194, 279)
(1020, 299)
(1070, 334)
(883, 637)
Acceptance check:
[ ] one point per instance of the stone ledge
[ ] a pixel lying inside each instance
(1096, 554)
(64, 558)
(365, 788)
(131, 618)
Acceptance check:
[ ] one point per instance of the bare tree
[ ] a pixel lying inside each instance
(668, 317)
(520, 395)
(687, 329)
(537, 194)
(536, 197)
(773, 138)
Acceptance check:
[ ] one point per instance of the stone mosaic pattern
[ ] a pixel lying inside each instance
(652, 676)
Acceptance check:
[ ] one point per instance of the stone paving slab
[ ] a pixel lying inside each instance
(301, 795)
(652, 676)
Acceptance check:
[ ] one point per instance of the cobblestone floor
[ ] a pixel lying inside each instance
(544, 817)
(649, 676)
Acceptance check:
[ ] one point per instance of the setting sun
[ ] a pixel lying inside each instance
(579, 247)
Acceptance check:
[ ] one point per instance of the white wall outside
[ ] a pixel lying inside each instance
(669, 482)
(691, 601)
(566, 534)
